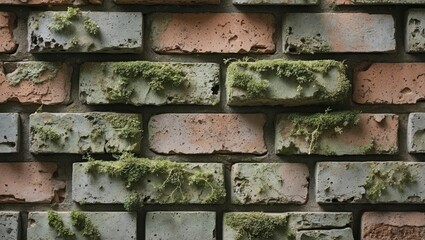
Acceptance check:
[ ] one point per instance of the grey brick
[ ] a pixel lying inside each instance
(9, 132)
(276, 2)
(85, 132)
(385, 2)
(180, 225)
(119, 32)
(370, 182)
(415, 25)
(98, 80)
(415, 133)
(9, 226)
(345, 233)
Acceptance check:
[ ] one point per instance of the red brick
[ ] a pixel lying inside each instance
(50, 2)
(207, 133)
(213, 33)
(54, 91)
(7, 43)
(389, 83)
(393, 225)
(30, 182)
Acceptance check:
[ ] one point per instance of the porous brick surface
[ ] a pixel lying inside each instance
(207, 133)
(415, 133)
(9, 225)
(9, 132)
(212, 32)
(50, 2)
(415, 41)
(168, 2)
(375, 2)
(345, 233)
(7, 42)
(276, 2)
(30, 182)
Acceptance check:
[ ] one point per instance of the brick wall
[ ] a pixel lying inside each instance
(243, 119)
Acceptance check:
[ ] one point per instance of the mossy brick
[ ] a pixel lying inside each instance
(110, 225)
(180, 225)
(93, 132)
(207, 133)
(108, 82)
(186, 33)
(375, 2)
(7, 42)
(370, 182)
(389, 83)
(100, 188)
(392, 225)
(416, 133)
(39, 82)
(168, 2)
(345, 233)
(336, 135)
(50, 2)
(30, 182)
(9, 225)
(276, 2)
(282, 226)
(415, 25)
(310, 33)
(269, 183)
(9, 132)
(288, 83)
(77, 31)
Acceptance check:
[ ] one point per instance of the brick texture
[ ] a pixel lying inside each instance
(10, 225)
(9, 132)
(7, 22)
(50, 2)
(171, 2)
(374, 2)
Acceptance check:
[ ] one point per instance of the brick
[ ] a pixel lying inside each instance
(371, 134)
(345, 233)
(111, 225)
(9, 226)
(393, 225)
(30, 182)
(85, 132)
(415, 133)
(297, 222)
(289, 83)
(168, 2)
(88, 188)
(9, 132)
(415, 25)
(35, 82)
(375, 2)
(268, 183)
(212, 32)
(276, 2)
(50, 2)
(338, 32)
(370, 182)
(101, 84)
(180, 225)
(207, 133)
(7, 42)
(389, 83)
(118, 32)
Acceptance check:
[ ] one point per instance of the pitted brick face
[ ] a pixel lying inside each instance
(7, 22)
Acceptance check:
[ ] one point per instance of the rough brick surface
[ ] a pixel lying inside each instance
(373, 134)
(370, 182)
(290, 88)
(212, 32)
(180, 225)
(9, 132)
(389, 83)
(415, 133)
(201, 85)
(50, 2)
(393, 225)
(415, 41)
(85, 132)
(207, 133)
(35, 82)
(118, 32)
(267, 183)
(345, 233)
(7, 22)
(296, 222)
(100, 188)
(375, 2)
(111, 225)
(173, 2)
(9, 226)
(30, 183)
(277, 2)
(338, 32)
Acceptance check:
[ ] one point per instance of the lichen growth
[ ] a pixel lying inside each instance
(46, 133)
(75, 42)
(91, 26)
(173, 175)
(380, 180)
(255, 225)
(127, 126)
(82, 223)
(56, 222)
(34, 71)
(312, 127)
(307, 44)
(133, 201)
(63, 20)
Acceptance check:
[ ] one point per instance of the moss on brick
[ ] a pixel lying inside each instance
(46, 133)
(82, 223)
(127, 126)
(309, 44)
(55, 221)
(33, 71)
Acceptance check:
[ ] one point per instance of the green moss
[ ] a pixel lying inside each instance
(380, 180)
(308, 44)
(46, 133)
(56, 222)
(127, 126)
(312, 127)
(96, 132)
(255, 225)
(82, 223)
(74, 42)
(133, 201)
(63, 20)
(369, 148)
(33, 71)
(91, 26)
(133, 170)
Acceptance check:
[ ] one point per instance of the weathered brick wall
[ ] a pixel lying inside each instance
(243, 119)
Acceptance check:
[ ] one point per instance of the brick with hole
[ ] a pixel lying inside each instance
(7, 24)
(415, 133)
(10, 225)
(9, 132)
(275, 2)
(415, 25)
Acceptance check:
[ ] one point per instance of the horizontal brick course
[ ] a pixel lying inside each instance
(207, 133)
(171, 2)
(9, 132)
(50, 2)
(7, 42)
(375, 2)
(276, 2)
(212, 32)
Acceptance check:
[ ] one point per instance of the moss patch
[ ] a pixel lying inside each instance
(37, 72)
(127, 126)
(55, 221)
(255, 225)
(46, 133)
(308, 44)
(81, 222)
